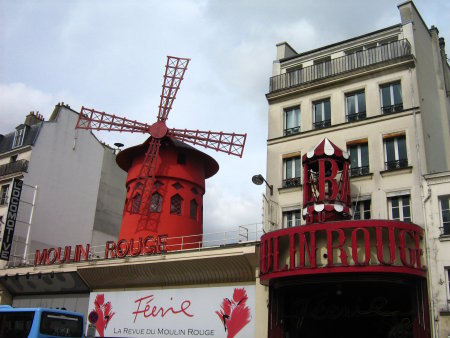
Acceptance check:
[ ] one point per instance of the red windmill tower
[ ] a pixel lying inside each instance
(165, 181)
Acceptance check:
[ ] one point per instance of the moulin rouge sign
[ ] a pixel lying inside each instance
(348, 246)
(150, 245)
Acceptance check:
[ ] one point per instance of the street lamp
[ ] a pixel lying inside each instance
(259, 179)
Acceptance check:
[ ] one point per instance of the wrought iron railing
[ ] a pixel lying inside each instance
(359, 171)
(395, 108)
(322, 124)
(398, 164)
(291, 182)
(291, 131)
(356, 116)
(14, 167)
(347, 63)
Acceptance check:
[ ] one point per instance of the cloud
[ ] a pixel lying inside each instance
(16, 100)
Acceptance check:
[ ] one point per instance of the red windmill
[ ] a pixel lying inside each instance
(142, 182)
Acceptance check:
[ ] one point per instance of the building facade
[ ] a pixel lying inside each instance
(383, 97)
(72, 189)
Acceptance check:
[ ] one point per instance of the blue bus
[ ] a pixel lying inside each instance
(39, 323)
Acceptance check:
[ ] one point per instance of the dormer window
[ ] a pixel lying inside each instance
(18, 138)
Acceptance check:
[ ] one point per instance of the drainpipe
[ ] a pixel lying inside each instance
(423, 201)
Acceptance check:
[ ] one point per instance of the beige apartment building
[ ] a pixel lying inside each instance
(384, 98)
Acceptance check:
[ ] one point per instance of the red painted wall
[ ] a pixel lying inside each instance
(184, 179)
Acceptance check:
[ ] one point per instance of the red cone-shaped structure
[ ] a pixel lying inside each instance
(176, 200)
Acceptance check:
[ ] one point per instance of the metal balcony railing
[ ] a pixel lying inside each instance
(398, 164)
(359, 171)
(322, 124)
(347, 63)
(291, 182)
(395, 108)
(14, 167)
(291, 131)
(356, 116)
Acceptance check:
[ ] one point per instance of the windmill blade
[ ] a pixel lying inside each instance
(230, 143)
(175, 69)
(144, 181)
(91, 119)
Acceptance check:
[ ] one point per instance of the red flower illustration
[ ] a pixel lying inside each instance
(234, 314)
(101, 315)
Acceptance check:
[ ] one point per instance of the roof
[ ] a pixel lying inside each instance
(326, 148)
(31, 133)
(124, 158)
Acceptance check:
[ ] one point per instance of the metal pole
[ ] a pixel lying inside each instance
(27, 241)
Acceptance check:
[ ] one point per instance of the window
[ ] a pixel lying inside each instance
(176, 203)
(359, 159)
(4, 194)
(156, 203)
(291, 168)
(322, 114)
(444, 203)
(400, 208)
(18, 138)
(361, 209)
(395, 152)
(294, 75)
(355, 106)
(291, 218)
(136, 203)
(391, 98)
(292, 121)
(193, 207)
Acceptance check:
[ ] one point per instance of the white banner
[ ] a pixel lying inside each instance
(225, 312)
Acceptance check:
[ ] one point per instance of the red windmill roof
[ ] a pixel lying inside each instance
(124, 158)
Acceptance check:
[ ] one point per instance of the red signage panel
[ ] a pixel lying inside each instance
(342, 247)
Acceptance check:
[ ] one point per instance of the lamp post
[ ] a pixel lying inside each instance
(259, 179)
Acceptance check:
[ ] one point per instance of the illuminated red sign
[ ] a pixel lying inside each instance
(341, 247)
(149, 245)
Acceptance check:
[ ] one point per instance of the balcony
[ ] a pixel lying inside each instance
(359, 60)
(359, 171)
(392, 109)
(322, 124)
(291, 131)
(356, 116)
(291, 182)
(398, 164)
(14, 167)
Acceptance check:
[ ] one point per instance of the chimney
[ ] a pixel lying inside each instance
(33, 118)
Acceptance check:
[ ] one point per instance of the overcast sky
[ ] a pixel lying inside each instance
(110, 55)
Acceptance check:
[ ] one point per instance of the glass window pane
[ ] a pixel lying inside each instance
(351, 108)
(327, 109)
(354, 157)
(317, 112)
(297, 167)
(386, 96)
(445, 203)
(361, 102)
(394, 202)
(397, 93)
(401, 141)
(289, 119)
(289, 168)
(390, 150)
(364, 155)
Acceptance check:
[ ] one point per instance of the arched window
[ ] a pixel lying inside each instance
(156, 203)
(193, 209)
(176, 203)
(136, 203)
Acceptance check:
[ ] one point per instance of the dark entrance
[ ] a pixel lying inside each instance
(341, 308)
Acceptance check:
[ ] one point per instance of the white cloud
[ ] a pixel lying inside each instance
(16, 100)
